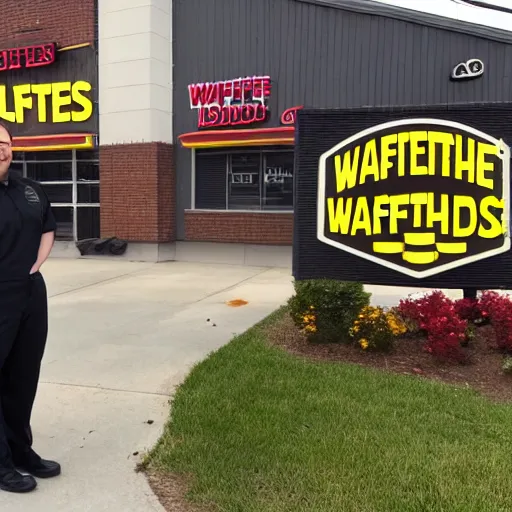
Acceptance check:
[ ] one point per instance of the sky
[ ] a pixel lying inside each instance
(460, 11)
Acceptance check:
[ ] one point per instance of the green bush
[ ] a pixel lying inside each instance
(326, 309)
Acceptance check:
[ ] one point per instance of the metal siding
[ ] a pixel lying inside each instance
(322, 57)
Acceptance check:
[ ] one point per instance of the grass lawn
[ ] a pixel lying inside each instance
(261, 430)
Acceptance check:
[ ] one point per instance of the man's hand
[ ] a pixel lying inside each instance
(45, 247)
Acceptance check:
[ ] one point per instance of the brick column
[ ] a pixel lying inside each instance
(137, 192)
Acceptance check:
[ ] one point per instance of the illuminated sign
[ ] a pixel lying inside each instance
(51, 100)
(420, 196)
(239, 101)
(61, 102)
(289, 116)
(27, 57)
(472, 68)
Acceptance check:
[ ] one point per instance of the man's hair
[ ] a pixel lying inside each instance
(6, 128)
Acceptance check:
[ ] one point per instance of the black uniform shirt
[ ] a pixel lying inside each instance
(25, 214)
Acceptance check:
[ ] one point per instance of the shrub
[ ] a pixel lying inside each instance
(498, 308)
(376, 329)
(326, 309)
(436, 315)
(469, 309)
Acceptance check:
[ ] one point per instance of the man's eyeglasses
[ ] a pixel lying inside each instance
(5, 144)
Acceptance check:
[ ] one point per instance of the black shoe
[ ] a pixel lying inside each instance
(40, 468)
(12, 481)
(43, 469)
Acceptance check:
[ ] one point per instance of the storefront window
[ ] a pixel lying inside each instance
(71, 182)
(244, 180)
(278, 181)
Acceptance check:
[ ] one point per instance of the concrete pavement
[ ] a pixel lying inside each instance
(122, 336)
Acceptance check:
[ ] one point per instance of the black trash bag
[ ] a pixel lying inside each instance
(92, 246)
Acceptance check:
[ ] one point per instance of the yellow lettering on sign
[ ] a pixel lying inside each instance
(483, 165)
(346, 176)
(42, 91)
(403, 138)
(469, 203)
(378, 212)
(77, 91)
(362, 218)
(496, 229)
(442, 216)
(438, 221)
(339, 215)
(4, 113)
(461, 218)
(418, 199)
(370, 165)
(63, 96)
(416, 151)
(386, 153)
(21, 102)
(59, 101)
(395, 213)
(446, 141)
(467, 165)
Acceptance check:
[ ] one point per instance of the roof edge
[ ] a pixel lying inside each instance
(418, 17)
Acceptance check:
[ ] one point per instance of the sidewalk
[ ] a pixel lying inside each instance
(122, 336)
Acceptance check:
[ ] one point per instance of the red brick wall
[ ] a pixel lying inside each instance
(65, 22)
(249, 228)
(137, 192)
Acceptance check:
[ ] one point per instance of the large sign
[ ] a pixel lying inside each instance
(420, 196)
(240, 101)
(39, 99)
(415, 196)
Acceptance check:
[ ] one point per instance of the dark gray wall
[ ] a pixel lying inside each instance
(322, 57)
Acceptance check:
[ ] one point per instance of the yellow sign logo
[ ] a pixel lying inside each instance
(420, 196)
(59, 102)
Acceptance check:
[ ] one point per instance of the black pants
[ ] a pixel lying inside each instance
(23, 333)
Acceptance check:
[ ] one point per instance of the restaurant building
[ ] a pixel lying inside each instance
(188, 152)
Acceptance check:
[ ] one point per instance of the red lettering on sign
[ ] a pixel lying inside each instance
(231, 115)
(232, 102)
(27, 57)
(289, 116)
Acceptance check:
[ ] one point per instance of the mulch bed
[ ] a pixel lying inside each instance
(482, 371)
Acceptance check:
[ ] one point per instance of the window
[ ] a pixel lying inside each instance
(244, 180)
(244, 185)
(71, 182)
(278, 181)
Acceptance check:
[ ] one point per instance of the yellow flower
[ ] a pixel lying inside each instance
(364, 343)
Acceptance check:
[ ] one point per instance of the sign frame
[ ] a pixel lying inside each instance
(505, 157)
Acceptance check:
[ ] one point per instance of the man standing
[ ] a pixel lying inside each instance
(27, 232)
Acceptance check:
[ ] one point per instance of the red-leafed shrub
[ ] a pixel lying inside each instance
(498, 308)
(469, 309)
(436, 315)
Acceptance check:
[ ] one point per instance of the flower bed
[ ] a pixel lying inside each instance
(456, 340)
